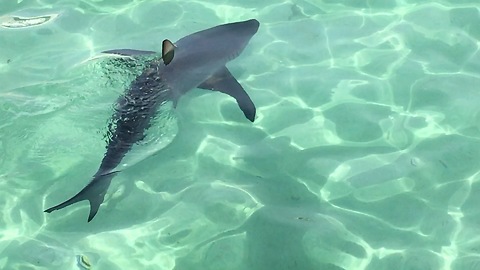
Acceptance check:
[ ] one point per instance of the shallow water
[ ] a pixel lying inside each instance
(364, 153)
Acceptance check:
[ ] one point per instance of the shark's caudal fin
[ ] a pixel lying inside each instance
(223, 81)
(94, 192)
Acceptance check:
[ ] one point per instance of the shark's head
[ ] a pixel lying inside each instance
(200, 55)
(232, 37)
(221, 43)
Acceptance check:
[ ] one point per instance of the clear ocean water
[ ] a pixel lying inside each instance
(365, 153)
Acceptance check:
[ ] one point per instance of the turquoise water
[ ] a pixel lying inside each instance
(364, 153)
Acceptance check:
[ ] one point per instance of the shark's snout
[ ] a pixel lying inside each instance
(248, 28)
(253, 24)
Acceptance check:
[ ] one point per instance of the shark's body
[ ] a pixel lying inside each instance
(197, 60)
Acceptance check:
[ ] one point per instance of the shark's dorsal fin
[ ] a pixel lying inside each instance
(168, 51)
(223, 81)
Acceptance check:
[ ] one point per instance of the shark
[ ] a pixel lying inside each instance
(197, 60)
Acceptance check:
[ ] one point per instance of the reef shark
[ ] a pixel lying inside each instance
(195, 61)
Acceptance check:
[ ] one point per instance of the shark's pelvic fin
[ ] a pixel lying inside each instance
(168, 51)
(128, 52)
(223, 81)
(94, 192)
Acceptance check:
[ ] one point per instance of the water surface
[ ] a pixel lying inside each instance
(364, 153)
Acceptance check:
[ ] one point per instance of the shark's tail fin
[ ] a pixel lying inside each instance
(94, 192)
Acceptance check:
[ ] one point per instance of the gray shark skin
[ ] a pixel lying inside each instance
(197, 60)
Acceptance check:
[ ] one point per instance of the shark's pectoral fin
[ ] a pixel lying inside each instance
(128, 52)
(223, 81)
(168, 51)
(94, 192)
